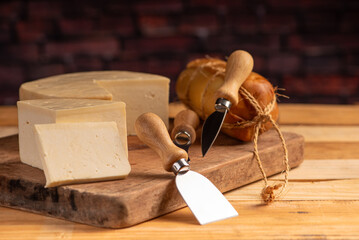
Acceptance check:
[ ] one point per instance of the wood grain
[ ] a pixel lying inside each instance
(331, 150)
(7, 131)
(304, 114)
(280, 220)
(325, 170)
(186, 121)
(318, 114)
(238, 68)
(151, 130)
(148, 192)
(325, 133)
(8, 116)
(284, 219)
(304, 191)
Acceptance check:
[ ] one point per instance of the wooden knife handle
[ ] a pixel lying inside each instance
(186, 121)
(151, 130)
(239, 66)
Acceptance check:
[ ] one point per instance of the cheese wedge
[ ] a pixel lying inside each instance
(142, 92)
(44, 111)
(81, 152)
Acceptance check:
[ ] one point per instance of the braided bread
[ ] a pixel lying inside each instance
(196, 87)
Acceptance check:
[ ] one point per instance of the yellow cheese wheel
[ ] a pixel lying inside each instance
(142, 92)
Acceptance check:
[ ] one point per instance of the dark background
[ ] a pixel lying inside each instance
(310, 48)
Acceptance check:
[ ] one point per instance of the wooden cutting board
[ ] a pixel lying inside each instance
(149, 191)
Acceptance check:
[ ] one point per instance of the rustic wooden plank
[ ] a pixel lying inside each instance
(314, 170)
(331, 150)
(319, 114)
(9, 150)
(8, 116)
(149, 191)
(280, 220)
(7, 131)
(309, 114)
(300, 191)
(325, 133)
(304, 219)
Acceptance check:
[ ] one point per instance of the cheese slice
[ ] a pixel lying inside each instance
(142, 92)
(43, 111)
(81, 152)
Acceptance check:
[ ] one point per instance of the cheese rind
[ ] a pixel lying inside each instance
(81, 152)
(142, 92)
(43, 111)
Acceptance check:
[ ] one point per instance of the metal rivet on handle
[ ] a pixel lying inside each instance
(222, 105)
(181, 166)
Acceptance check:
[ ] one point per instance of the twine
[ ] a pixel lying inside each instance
(263, 116)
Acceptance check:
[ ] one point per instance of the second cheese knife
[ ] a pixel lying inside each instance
(184, 130)
(206, 202)
(239, 66)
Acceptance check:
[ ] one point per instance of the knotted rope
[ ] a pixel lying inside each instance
(263, 116)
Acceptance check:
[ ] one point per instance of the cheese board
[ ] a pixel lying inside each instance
(149, 191)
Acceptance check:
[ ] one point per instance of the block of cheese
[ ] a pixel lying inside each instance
(81, 152)
(142, 92)
(42, 111)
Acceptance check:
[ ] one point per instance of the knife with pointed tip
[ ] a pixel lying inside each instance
(205, 201)
(184, 130)
(239, 66)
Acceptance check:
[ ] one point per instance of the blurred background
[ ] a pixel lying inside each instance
(310, 48)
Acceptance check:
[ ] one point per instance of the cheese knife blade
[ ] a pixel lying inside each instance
(239, 66)
(205, 201)
(213, 124)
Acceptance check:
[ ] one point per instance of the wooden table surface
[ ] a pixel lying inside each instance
(321, 201)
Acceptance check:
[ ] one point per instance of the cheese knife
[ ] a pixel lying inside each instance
(239, 66)
(184, 129)
(205, 201)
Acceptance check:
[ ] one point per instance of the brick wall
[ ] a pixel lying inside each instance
(308, 47)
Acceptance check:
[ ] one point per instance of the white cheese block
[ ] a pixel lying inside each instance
(142, 92)
(81, 152)
(44, 111)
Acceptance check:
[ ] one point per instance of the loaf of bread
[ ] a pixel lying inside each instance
(196, 87)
